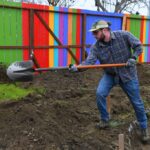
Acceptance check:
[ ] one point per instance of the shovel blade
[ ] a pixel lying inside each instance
(21, 71)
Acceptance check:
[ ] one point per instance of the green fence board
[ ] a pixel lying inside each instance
(11, 32)
(74, 18)
(135, 25)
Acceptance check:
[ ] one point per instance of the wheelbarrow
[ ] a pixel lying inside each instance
(24, 70)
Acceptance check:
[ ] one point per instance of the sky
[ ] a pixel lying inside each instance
(90, 5)
(85, 4)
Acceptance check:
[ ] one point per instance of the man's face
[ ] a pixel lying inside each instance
(99, 35)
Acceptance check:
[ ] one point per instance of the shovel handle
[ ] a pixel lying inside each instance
(101, 66)
(82, 67)
(50, 69)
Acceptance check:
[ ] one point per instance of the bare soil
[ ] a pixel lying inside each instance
(63, 117)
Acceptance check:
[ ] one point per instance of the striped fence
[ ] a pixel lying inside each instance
(140, 27)
(10, 32)
(58, 36)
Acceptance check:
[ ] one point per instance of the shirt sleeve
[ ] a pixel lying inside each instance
(134, 43)
(92, 57)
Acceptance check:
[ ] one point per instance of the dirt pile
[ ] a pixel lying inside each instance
(3, 77)
(63, 117)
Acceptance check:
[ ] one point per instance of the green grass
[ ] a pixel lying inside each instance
(12, 92)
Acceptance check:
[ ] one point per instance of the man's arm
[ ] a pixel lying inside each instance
(134, 43)
(90, 60)
(92, 57)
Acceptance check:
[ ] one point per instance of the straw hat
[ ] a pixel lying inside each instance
(99, 25)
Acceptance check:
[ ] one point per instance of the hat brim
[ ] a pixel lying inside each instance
(99, 27)
(91, 30)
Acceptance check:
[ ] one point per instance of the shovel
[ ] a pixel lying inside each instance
(24, 70)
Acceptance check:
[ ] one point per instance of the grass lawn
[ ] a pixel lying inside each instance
(12, 92)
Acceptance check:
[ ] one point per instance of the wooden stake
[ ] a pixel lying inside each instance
(108, 104)
(121, 141)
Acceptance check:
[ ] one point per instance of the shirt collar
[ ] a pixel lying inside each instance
(113, 35)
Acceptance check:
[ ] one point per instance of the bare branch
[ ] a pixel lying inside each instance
(100, 5)
(63, 3)
(121, 5)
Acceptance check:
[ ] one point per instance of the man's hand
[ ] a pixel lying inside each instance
(73, 68)
(131, 62)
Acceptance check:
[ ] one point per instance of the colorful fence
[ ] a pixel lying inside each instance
(40, 34)
(140, 27)
(65, 23)
(57, 34)
(10, 32)
(67, 28)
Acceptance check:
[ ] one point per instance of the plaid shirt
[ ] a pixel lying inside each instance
(122, 46)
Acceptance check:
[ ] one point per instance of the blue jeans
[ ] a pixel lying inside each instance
(131, 88)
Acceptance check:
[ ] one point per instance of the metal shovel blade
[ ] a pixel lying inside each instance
(21, 71)
(24, 70)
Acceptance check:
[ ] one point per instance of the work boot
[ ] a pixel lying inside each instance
(102, 124)
(145, 137)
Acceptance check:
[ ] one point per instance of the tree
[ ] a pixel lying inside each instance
(63, 3)
(119, 6)
(147, 3)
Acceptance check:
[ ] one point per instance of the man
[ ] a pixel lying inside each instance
(112, 48)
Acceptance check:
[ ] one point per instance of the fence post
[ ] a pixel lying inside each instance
(83, 36)
(31, 38)
(31, 31)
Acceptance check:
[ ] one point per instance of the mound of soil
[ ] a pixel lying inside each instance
(3, 77)
(63, 117)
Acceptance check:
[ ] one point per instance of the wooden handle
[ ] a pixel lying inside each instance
(101, 66)
(82, 67)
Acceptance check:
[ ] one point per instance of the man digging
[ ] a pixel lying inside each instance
(113, 47)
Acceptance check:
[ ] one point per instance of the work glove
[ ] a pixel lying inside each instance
(131, 62)
(73, 68)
